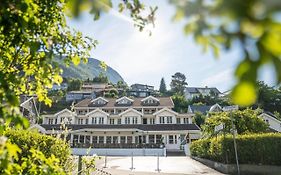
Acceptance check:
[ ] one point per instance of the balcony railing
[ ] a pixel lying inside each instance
(116, 145)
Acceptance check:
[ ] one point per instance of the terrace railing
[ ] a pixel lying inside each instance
(116, 145)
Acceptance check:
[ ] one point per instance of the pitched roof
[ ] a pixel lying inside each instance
(97, 110)
(196, 89)
(200, 108)
(163, 101)
(156, 127)
(65, 110)
(130, 110)
(165, 109)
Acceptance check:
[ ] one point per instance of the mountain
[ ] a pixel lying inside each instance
(89, 70)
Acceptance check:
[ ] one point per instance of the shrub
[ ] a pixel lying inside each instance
(48, 145)
(252, 149)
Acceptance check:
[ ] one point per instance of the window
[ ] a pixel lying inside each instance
(135, 120)
(169, 119)
(108, 139)
(50, 121)
(171, 139)
(122, 139)
(151, 138)
(75, 138)
(152, 121)
(162, 120)
(80, 121)
(111, 121)
(81, 139)
(115, 139)
(101, 120)
(94, 120)
(95, 139)
(87, 139)
(129, 139)
(119, 121)
(87, 121)
(158, 138)
(101, 139)
(127, 120)
(185, 120)
(178, 121)
(176, 139)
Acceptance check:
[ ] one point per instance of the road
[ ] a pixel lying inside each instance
(147, 165)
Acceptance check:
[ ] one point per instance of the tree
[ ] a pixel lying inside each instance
(178, 83)
(246, 121)
(269, 98)
(199, 119)
(74, 85)
(180, 103)
(257, 31)
(102, 78)
(162, 88)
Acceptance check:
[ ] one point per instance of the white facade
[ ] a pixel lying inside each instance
(273, 123)
(128, 123)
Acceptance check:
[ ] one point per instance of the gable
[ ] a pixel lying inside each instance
(124, 101)
(130, 112)
(165, 111)
(97, 112)
(65, 112)
(99, 101)
(150, 100)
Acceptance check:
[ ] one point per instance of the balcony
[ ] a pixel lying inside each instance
(116, 145)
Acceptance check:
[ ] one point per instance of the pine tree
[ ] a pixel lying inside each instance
(162, 88)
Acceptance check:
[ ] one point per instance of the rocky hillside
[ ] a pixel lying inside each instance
(89, 70)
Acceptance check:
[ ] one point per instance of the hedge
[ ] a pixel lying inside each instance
(48, 145)
(255, 149)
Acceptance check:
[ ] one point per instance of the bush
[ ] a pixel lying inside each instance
(48, 145)
(252, 149)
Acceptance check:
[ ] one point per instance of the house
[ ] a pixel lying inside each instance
(191, 92)
(141, 124)
(141, 90)
(272, 121)
(204, 109)
(79, 95)
(62, 86)
(28, 108)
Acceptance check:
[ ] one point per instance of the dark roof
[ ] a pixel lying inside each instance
(200, 108)
(192, 90)
(156, 127)
(163, 101)
(195, 89)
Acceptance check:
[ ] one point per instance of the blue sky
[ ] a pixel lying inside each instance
(140, 58)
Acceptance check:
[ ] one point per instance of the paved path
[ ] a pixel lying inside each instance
(147, 166)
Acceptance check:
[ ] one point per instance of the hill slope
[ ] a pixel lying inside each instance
(89, 70)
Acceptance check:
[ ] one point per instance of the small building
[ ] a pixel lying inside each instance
(138, 124)
(191, 92)
(79, 95)
(272, 121)
(141, 90)
(28, 108)
(204, 109)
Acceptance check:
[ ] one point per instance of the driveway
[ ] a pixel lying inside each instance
(148, 164)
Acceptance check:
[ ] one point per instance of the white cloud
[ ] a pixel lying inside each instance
(220, 79)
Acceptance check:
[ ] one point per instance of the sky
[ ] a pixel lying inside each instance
(140, 58)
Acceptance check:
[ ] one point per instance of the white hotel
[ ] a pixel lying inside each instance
(124, 124)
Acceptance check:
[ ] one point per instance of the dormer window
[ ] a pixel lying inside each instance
(99, 101)
(150, 100)
(124, 101)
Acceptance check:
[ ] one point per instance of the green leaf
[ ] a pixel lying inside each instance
(76, 60)
(244, 94)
